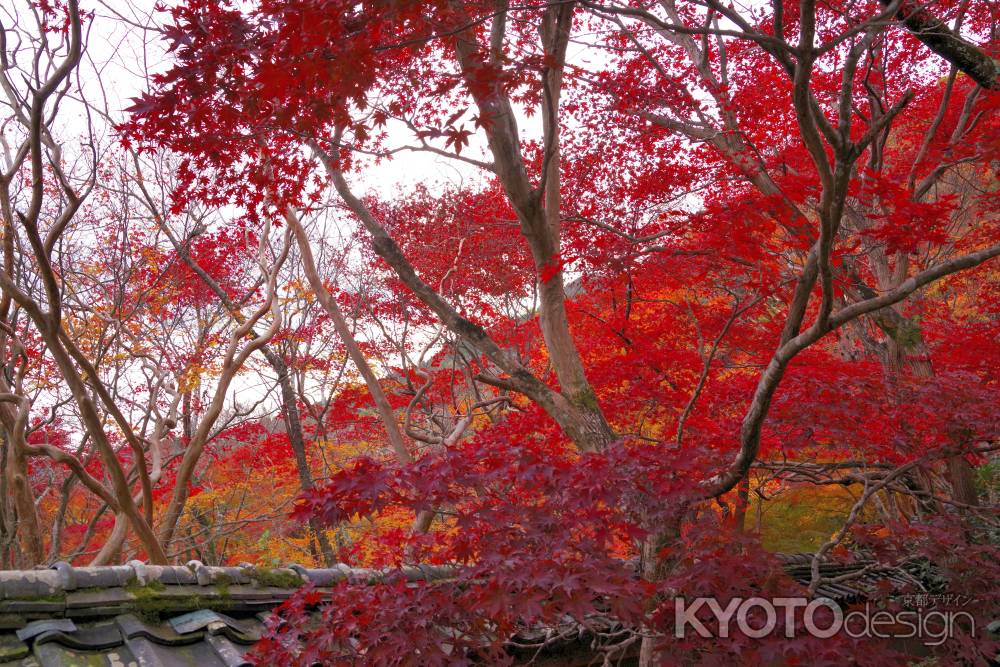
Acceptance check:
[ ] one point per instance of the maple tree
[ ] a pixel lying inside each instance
(704, 261)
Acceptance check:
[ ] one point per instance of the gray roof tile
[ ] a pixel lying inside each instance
(129, 641)
(12, 648)
(201, 619)
(229, 652)
(36, 628)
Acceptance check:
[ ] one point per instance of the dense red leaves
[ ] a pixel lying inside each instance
(522, 540)
(465, 242)
(533, 531)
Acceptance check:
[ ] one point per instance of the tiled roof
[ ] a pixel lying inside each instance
(851, 582)
(140, 615)
(203, 637)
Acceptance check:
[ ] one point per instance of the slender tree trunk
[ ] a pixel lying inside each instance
(656, 568)
(423, 521)
(59, 522)
(234, 359)
(742, 502)
(332, 308)
(545, 238)
(906, 349)
(538, 211)
(7, 515)
(26, 523)
(293, 425)
(113, 544)
(13, 422)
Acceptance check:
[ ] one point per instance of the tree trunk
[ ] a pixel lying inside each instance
(26, 523)
(906, 349)
(332, 308)
(293, 425)
(742, 502)
(290, 408)
(655, 568)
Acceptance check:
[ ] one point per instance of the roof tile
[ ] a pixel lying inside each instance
(36, 628)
